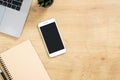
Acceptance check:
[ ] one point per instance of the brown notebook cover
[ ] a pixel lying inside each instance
(22, 63)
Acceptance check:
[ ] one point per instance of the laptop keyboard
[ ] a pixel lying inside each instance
(14, 4)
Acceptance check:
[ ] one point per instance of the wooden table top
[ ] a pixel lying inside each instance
(90, 31)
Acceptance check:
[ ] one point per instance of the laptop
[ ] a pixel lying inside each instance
(13, 14)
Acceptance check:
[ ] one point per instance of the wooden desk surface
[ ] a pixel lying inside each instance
(90, 31)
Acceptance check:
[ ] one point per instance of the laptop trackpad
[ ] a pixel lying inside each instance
(2, 11)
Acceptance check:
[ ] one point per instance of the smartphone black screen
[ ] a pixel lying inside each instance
(52, 37)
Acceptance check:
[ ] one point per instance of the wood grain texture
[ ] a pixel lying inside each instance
(90, 31)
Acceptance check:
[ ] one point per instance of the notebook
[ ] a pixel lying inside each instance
(22, 63)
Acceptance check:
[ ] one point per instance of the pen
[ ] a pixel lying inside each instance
(3, 75)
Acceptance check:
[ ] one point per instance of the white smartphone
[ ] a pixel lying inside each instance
(51, 37)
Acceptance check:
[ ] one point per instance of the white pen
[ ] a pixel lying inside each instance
(3, 75)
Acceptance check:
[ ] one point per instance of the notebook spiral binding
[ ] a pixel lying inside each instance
(5, 69)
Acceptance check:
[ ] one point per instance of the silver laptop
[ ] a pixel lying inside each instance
(13, 14)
